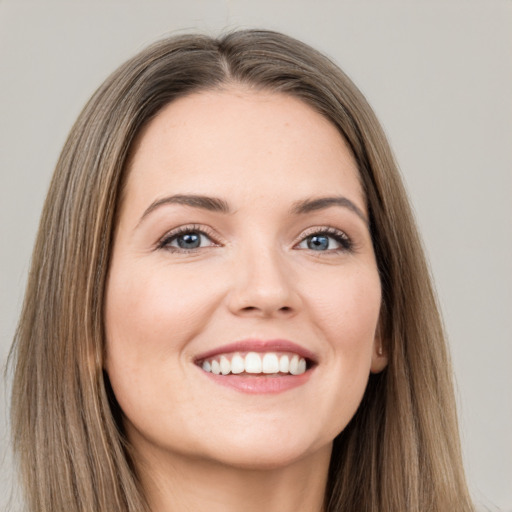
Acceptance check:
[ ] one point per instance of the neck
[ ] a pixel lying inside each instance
(180, 484)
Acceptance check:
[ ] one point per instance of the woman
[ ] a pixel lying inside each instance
(237, 313)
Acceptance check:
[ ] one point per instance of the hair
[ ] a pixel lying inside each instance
(400, 451)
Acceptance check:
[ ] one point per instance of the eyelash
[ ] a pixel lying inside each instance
(339, 236)
(164, 243)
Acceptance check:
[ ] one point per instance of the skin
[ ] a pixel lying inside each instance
(199, 445)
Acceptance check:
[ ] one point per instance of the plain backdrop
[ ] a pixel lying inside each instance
(439, 75)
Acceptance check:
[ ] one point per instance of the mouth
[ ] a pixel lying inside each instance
(255, 363)
(258, 366)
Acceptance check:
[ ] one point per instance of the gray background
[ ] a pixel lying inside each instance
(439, 75)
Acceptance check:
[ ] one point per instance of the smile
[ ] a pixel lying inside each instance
(258, 366)
(254, 363)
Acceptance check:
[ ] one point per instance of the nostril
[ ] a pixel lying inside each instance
(252, 309)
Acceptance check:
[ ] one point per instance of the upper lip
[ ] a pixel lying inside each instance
(277, 345)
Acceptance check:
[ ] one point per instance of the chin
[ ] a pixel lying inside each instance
(265, 452)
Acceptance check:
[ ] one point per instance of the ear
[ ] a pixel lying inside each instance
(379, 352)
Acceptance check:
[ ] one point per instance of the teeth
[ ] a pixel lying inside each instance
(255, 363)
(215, 367)
(225, 366)
(237, 364)
(270, 363)
(294, 365)
(284, 364)
(297, 365)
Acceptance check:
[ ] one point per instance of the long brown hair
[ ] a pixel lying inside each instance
(401, 450)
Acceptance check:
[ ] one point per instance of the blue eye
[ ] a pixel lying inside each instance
(189, 241)
(326, 241)
(318, 242)
(186, 240)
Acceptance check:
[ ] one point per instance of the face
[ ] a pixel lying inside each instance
(243, 297)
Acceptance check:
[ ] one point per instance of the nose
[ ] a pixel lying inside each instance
(263, 285)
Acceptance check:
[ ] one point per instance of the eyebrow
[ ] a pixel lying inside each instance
(215, 204)
(311, 205)
(212, 204)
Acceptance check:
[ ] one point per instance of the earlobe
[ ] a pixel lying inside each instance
(379, 358)
(379, 354)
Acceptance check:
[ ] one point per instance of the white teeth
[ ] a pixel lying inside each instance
(270, 363)
(237, 364)
(215, 367)
(225, 365)
(294, 365)
(255, 363)
(284, 364)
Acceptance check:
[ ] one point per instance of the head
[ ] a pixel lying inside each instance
(403, 435)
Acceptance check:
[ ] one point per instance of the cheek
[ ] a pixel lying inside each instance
(348, 308)
(146, 310)
(150, 317)
(346, 316)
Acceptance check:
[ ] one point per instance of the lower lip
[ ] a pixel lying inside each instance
(260, 384)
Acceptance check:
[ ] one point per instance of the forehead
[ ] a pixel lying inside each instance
(234, 141)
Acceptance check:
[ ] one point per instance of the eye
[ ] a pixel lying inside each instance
(186, 239)
(326, 240)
